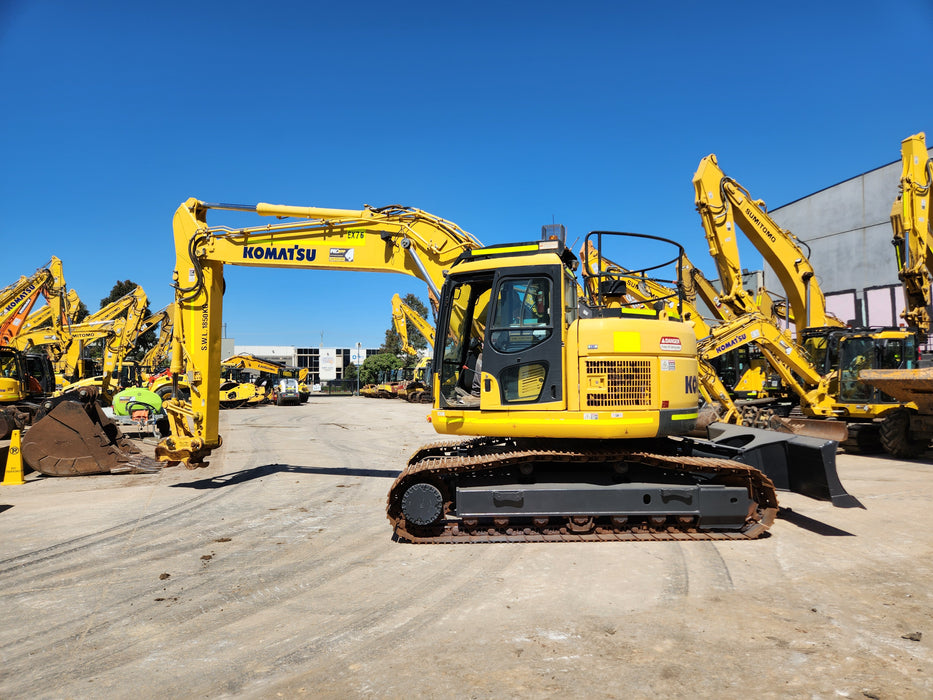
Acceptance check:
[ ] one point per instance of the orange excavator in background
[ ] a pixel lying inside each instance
(18, 299)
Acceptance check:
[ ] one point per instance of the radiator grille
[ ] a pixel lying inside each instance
(618, 383)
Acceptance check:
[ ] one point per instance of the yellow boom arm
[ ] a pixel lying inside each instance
(725, 208)
(910, 220)
(388, 239)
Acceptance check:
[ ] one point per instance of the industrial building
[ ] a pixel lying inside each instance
(325, 364)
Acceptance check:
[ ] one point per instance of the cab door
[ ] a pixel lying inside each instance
(522, 361)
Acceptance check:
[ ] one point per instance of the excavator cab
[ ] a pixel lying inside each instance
(502, 349)
(844, 352)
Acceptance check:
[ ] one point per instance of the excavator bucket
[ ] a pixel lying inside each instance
(835, 430)
(75, 438)
(905, 385)
(804, 465)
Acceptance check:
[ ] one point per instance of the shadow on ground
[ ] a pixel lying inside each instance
(240, 477)
(806, 523)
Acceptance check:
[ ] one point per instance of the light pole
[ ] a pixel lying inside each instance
(358, 365)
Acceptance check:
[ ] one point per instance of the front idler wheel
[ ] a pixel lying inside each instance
(423, 504)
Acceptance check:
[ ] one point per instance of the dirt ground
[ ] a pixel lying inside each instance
(272, 573)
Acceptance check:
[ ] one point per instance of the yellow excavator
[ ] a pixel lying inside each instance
(575, 428)
(417, 387)
(835, 353)
(907, 431)
(118, 325)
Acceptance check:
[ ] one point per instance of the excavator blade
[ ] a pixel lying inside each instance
(811, 427)
(804, 465)
(76, 438)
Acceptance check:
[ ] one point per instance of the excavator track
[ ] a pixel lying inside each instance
(445, 463)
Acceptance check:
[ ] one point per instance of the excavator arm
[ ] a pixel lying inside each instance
(725, 208)
(913, 239)
(158, 352)
(787, 358)
(42, 318)
(17, 300)
(247, 361)
(387, 239)
(402, 314)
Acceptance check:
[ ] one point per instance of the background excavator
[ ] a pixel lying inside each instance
(417, 388)
(907, 431)
(18, 299)
(578, 406)
(67, 434)
(830, 355)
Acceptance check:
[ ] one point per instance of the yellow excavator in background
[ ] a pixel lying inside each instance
(578, 405)
(402, 315)
(118, 324)
(913, 239)
(42, 318)
(417, 387)
(63, 435)
(834, 352)
(726, 208)
(136, 373)
(908, 431)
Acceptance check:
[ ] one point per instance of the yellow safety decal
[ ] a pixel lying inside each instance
(626, 341)
(684, 416)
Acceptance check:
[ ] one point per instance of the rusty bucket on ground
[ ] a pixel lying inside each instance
(75, 437)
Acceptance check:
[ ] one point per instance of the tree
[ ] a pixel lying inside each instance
(147, 339)
(375, 365)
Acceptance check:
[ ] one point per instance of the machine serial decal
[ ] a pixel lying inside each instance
(341, 255)
(295, 253)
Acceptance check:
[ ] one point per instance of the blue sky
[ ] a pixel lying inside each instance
(498, 116)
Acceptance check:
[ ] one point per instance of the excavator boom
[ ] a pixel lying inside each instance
(388, 239)
(913, 238)
(726, 208)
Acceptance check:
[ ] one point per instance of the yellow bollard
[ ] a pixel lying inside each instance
(13, 474)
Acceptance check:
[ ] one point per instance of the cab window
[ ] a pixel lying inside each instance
(523, 314)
